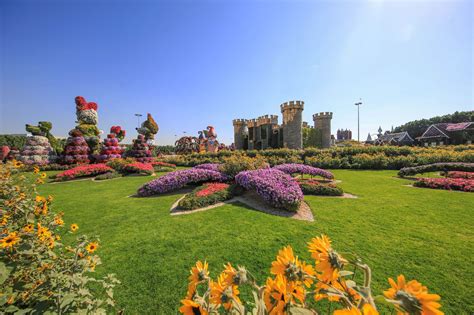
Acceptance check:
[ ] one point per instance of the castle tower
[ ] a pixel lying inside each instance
(322, 122)
(240, 128)
(292, 124)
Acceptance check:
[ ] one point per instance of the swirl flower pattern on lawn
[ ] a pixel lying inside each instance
(294, 168)
(274, 186)
(461, 184)
(179, 179)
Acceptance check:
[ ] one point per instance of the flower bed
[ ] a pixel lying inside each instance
(436, 167)
(461, 184)
(83, 171)
(209, 166)
(294, 168)
(138, 168)
(162, 166)
(466, 175)
(179, 179)
(313, 187)
(206, 195)
(275, 187)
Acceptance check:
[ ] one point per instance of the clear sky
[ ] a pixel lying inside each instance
(198, 63)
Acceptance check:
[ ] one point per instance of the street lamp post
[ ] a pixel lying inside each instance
(358, 119)
(138, 119)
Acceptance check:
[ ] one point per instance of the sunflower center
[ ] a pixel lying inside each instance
(225, 298)
(9, 240)
(201, 275)
(334, 260)
(196, 310)
(409, 302)
(291, 272)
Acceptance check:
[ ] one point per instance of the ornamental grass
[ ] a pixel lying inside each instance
(38, 272)
(296, 286)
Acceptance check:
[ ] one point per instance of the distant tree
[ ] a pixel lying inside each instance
(13, 141)
(311, 138)
(417, 127)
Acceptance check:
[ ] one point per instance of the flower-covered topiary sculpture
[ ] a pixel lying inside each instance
(141, 150)
(38, 150)
(149, 128)
(76, 150)
(111, 148)
(87, 121)
(43, 129)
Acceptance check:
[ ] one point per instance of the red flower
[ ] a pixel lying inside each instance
(211, 188)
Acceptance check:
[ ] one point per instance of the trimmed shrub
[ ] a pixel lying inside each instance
(235, 164)
(436, 167)
(313, 187)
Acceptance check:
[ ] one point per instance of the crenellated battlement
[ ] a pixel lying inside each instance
(322, 115)
(252, 123)
(292, 105)
(267, 120)
(239, 121)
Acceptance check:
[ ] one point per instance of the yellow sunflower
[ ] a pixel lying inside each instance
(58, 221)
(92, 247)
(40, 199)
(279, 292)
(4, 220)
(286, 264)
(36, 170)
(39, 181)
(29, 228)
(43, 233)
(17, 164)
(224, 293)
(328, 261)
(190, 307)
(199, 273)
(43, 175)
(412, 297)
(74, 227)
(367, 309)
(10, 240)
(50, 198)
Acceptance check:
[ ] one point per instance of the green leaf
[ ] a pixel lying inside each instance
(4, 272)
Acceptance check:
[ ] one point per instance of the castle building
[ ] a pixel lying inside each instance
(343, 134)
(264, 132)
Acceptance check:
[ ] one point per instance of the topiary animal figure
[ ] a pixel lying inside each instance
(149, 128)
(43, 129)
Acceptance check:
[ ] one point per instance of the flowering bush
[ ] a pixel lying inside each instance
(209, 166)
(38, 273)
(275, 187)
(82, 171)
(466, 175)
(436, 167)
(303, 169)
(237, 163)
(206, 195)
(313, 187)
(446, 183)
(297, 287)
(138, 168)
(178, 179)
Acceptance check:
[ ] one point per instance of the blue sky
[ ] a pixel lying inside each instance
(195, 63)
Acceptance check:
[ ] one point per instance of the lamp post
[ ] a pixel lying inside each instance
(358, 119)
(138, 119)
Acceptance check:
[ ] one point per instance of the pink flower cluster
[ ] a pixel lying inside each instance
(211, 188)
(84, 170)
(461, 184)
(139, 167)
(466, 175)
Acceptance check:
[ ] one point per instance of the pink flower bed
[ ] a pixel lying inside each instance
(139, 167)
(83, 170)
(461, 184)
(466, 175)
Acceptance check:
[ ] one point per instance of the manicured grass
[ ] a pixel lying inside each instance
(424, 234)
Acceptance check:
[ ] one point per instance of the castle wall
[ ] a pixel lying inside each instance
(322, 122)
(292, 124)
(239, 130)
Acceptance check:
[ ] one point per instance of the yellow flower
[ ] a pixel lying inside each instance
(43, 233)
(367, 309)
(279, 292)
(286, 264)
(40, 199)
(412, 297)
(328, 261)
(50, 198)
(36, 170)
(92, 247)
(74, 227)
(29, 228)
(198, 273)
(10, 240)
(43, 175)
(17, 164)
(58, 221)
(4, 220)
(39, 181)
(224, 293)
(190, 307)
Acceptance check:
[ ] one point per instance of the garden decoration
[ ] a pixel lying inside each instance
(186, 145)
(76, 150)
(43, 129)
(207, 140)
(13, 154)
(111, 148)
(148, 129)
(297, 287)
(140, 150)
(38, 150)
(40, 273)
(4, 151)
(87, 121)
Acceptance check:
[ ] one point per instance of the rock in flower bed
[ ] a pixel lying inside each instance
(178, 179)
(461, 184)
(294, 168)
(466, 175)
(206, 195)
(83, 171)
(313, 187)
(275, 187)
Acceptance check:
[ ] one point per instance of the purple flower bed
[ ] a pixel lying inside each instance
(209, 166)
(179, 179)
(303, 169)
(274, 186)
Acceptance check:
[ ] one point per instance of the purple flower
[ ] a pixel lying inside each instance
(303, 169)
(209, 166)
(275, 187)
(179, 179)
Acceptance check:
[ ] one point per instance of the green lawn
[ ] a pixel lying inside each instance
(422, 233)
